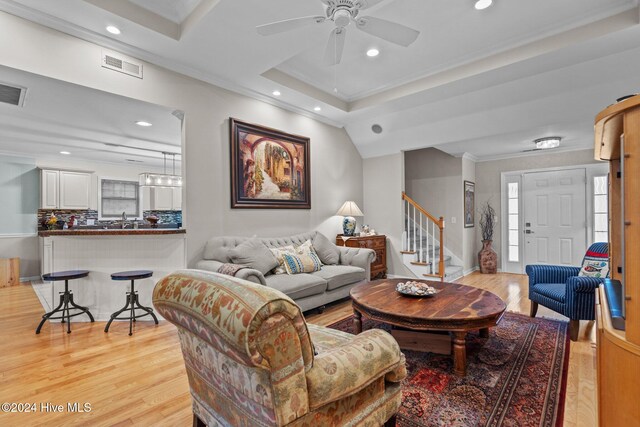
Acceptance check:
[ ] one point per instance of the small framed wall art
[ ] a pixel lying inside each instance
(269, 168)
(469, 204)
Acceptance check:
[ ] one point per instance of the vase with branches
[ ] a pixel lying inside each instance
(487, 257)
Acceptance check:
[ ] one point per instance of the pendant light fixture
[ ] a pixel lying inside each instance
(151, 179)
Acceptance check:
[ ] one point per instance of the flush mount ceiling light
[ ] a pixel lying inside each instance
(151, 179)
(483, 4)
(548, 142)
(372, 53)
(113, 29)
(317, 109)
(66, 153)
(276, 93)
(143, 124)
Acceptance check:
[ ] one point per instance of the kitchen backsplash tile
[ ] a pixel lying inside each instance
(81, 217)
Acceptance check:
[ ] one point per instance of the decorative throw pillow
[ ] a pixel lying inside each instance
(327, 252)
(595, 264)
(279, 254)
(296, 264)
(254, 254)
(305, 249)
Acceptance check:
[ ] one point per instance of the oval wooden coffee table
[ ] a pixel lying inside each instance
(455, 308)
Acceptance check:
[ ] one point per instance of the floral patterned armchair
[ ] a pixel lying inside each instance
(250, 358)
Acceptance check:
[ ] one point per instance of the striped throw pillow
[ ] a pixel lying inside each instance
(307, 263)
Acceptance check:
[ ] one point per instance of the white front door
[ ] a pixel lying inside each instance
(555, 229)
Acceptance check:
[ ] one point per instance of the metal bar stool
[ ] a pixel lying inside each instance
(132, 299)
(66, 298)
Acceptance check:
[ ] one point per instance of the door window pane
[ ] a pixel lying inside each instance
(513, 240)
(600, 209)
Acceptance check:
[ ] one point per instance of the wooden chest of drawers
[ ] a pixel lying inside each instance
(378, 243)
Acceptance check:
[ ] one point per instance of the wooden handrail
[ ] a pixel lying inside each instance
(438, 221)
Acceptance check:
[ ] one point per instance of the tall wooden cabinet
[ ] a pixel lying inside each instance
(617, 140)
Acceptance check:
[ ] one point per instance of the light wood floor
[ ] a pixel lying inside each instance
(141, 380)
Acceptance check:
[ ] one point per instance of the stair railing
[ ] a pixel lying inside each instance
(417, 220)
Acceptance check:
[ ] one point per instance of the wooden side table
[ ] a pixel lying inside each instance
(378, 243)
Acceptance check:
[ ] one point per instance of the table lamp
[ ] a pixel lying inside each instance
(349, 210)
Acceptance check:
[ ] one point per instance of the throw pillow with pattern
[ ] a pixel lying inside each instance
(279, 254)
(296, 264)
(595, 264)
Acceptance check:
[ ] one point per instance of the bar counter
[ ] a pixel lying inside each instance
(104, 252)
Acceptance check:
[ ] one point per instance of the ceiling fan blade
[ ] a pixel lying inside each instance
(387, 30)
(366, 4)
(335, 46)
(288, 25)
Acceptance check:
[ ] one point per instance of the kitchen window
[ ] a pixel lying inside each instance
(118, 196)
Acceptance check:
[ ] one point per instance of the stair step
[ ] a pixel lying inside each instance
(431, 275)
(407, 252)
(420, 263)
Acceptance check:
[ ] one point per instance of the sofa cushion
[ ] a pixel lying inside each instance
(305, 263)
(338, 276)
(298, 286)
(254, 254)
(328, 252)
(555, 291)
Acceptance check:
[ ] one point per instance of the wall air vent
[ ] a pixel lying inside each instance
(113, 62)
(12, 94)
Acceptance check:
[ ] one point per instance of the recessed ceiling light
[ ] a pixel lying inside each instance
(66, 153)
(113, 29)
(143, 124)
(372, 53)
(317, 109)
(377, 129)
(483, 4)
(276, 93)
(548, 142)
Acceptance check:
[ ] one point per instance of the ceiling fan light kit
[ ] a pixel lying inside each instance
(342, 13)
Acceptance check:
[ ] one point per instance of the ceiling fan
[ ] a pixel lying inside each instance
(343, 13)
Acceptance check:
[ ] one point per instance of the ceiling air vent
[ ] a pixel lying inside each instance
(12, 95)
(122, 65)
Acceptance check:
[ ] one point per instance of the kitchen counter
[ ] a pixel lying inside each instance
(112, 232)
(104, 252)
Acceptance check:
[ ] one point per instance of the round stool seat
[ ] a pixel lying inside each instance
(65, 275)
(132, 275)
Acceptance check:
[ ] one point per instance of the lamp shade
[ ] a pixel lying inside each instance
(350, 209)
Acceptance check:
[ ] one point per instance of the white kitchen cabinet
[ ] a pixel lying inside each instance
(75, 190)
(162, 199)
(177, 199)
(65, 189)
(50, 181)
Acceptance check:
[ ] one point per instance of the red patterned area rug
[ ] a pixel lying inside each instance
(516, 377)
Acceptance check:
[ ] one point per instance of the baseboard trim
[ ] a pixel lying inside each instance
(470, 270)
(29, 279)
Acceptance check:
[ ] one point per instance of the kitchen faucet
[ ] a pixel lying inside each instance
(124, 220)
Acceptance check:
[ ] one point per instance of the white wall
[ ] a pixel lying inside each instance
(336, 166)
(488, 181)
(383, 185)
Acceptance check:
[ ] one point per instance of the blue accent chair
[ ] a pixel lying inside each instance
(560, 289)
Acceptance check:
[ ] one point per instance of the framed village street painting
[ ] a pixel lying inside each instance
(269, 168)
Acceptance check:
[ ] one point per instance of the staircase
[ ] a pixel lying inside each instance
(423, 238)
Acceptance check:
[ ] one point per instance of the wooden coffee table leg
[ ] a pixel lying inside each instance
(484, 333)
(459, 353)
(357, 321)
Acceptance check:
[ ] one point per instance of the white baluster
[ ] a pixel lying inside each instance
(407, 226)
(433, 248)
(420, 257)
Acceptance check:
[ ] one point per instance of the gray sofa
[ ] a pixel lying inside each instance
(343, 267)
